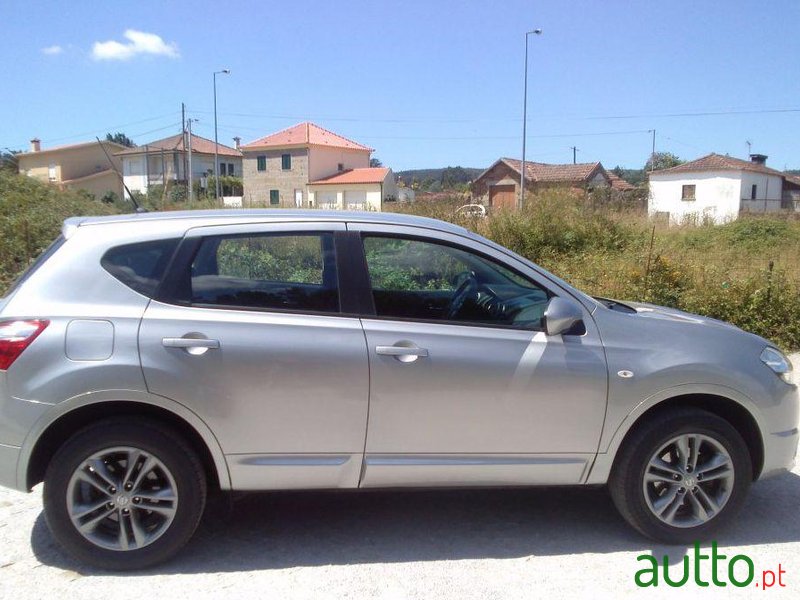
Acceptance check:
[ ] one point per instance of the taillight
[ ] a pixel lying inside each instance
(15, 336)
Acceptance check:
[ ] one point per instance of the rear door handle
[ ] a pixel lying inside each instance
(193, 346)
(402, 353)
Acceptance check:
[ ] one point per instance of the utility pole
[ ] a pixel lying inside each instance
(574, 155)
(524, 121)
(653, 152)
(189, 174)
(183, 136)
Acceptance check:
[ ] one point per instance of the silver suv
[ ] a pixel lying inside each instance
(147, 360)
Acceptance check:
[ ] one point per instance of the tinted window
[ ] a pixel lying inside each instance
(267, 271)
(415, 279)
(140, 266)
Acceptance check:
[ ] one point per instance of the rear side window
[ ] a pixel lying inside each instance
(140, 266)
(267, 271)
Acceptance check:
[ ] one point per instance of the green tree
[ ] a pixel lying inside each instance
(8, 162)
(662, 160)
(375, 162)
(120, 138)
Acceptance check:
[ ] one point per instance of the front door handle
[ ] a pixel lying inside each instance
(194, 346)
(403, 353)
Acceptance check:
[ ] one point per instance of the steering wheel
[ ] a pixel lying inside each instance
(467, 288)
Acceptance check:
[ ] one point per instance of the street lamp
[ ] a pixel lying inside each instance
(525, 120)
(216, 156)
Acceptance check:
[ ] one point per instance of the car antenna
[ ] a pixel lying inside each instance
(136, 206)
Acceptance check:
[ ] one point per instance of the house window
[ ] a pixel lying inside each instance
(687, 192)
(341, 166)
(51, 172)
(261, 163)
(274, 197)
(286, 162)
(230, 169)
(753, 192)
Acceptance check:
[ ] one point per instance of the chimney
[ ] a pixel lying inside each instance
(238, 141)
(36, 145)
(759, 159)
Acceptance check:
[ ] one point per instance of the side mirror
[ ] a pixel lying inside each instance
(561, 315)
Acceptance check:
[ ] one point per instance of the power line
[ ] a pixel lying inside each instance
(106, 129)
(678, 114)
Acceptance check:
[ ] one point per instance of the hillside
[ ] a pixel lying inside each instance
(434, 180)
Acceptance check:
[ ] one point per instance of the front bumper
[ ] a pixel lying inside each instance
(781, 453)
(9, 457)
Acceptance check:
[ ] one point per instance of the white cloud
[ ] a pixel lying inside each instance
(52, 50)
(139, 43)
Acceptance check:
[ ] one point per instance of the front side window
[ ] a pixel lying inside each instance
(687, 192)
(286, 162)
(753, 192)
(274, 197)
(267, 271)
(413, 279)
(261, 163)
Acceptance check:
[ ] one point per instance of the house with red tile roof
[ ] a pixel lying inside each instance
(166, 160)
(306, 165)
(498, 186)
(354, 189)
(716, 188)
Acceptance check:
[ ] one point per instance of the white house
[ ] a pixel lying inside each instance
(354, 189)
(715, 188)
(164, 160)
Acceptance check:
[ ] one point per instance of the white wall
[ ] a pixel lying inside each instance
(135, 174)
(717, 195)
(769, 190)
(335, 197)
(324, 161)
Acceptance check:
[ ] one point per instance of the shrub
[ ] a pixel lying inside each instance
(31, 216)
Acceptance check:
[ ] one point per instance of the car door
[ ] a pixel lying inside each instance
(475, 393)
(248, 333)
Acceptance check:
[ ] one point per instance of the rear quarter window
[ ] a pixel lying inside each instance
(140, 266)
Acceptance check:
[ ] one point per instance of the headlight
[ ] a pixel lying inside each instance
(776, 361)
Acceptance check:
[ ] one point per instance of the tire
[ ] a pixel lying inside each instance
(688, 514)
(153, 525)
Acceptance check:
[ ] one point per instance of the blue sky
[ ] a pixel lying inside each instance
(425, 83)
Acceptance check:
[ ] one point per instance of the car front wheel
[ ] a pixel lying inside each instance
(682, 476)
(124, 494)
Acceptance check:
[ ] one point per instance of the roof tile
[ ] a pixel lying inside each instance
(304, 134)
(365, 175)
(176, 143)
(718, 162)
(543, 172)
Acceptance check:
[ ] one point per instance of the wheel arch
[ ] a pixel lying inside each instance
(723, 403)
(48, 436)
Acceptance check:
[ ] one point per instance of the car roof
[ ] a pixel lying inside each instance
(228, 216)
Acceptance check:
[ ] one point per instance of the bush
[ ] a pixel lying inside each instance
(31, 216)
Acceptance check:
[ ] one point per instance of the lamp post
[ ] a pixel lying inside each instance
(525, 121)
(216, 156)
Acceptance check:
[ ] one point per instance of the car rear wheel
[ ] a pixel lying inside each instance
(124, 494)
(682, 476)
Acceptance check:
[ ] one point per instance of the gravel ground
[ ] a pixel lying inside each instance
(518, 543)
